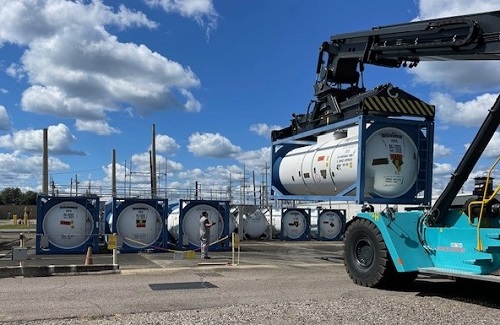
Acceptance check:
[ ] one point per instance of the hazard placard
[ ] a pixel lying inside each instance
(113, 241)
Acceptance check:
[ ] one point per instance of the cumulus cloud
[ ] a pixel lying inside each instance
(212, 145)
(441, 150)
(165, 144)
(449, 111)
(202, 11)
(256, 160)
(435, 9)
(264, 129)
(493, 147)
(442, 169)
(27, 167)
(77, 69)
(5, 123)
(59, 140)
(459, 76)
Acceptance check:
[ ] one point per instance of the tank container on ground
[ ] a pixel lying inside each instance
(67, 224)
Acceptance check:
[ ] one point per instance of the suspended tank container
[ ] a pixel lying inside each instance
(295, 224)
(378, 160)
(67, 224)
(189, 224)
(139, 223)
(331, 224)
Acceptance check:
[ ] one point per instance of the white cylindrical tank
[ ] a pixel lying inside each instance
(330, 166)
(173, 223)
(314, 222)
(191, 223)
(68, 225)
(330, 224)
(294, 224)
(139, 224)
(255, 224)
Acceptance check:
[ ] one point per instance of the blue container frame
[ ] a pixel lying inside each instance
(160, 205)
(45, 203)
(306, 235)
(221, 206)
(342, 214)
(420, 131)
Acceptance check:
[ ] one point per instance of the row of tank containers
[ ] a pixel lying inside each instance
(72, 224)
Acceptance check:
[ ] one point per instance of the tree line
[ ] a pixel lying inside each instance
(14, 196)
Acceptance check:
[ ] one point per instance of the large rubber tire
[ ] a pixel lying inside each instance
(366, 257)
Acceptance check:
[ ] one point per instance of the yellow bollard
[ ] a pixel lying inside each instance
(14, 219)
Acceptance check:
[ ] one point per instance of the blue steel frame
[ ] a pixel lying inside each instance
(221, 206)
(45, 203)
(421, 132)
(342, 214)
(160, 205)
(306, 235)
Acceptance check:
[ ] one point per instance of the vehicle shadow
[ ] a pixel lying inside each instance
(464, 290)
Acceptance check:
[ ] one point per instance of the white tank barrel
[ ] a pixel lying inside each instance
(191, 224)
(139, 224)
(295, 224)
(331, 165)
(68, 225)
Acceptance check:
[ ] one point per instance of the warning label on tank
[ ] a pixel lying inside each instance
(140, 220)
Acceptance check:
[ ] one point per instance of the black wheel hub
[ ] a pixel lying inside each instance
(364, 253)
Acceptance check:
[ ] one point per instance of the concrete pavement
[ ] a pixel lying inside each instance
(253, 253)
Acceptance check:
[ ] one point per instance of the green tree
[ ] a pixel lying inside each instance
(11, 195)
(28, 198)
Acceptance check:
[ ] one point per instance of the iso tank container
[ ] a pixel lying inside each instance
(295, 224)
(388, 171)
(139, 224)
(255, 224)
(173, 224)
(67, 225)
(331, 224)
(189, 224)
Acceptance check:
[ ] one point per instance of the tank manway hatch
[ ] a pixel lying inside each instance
(139, 224)
(67, 224)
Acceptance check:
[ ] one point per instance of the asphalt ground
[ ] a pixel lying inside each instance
(251, 252)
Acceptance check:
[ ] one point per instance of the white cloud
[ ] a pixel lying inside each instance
(493, 147)
(256, 160)
(165, 144)
(27, 167)
(435, 9)
(459, 76)
(77, 69)
(212, 145)
(5, 123)
(470, 113)
(442, 169)
(98, 127)
(202, 11)
(264, 129)
(59, 140)
(441, 150)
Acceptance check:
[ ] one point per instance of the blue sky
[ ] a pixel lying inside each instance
(214, 77)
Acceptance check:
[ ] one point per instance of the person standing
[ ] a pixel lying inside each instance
(205, 225)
